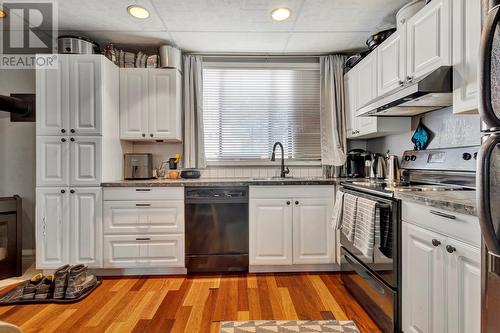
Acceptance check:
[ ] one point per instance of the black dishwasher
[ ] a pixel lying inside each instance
(216, 229)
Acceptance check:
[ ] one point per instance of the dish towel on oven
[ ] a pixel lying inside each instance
(337, 210)
(349, 216)
(366, 222)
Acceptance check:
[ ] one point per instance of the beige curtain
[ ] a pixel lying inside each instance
(194, 143)
(333, 135)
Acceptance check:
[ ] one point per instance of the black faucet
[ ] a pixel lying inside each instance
(284, 171)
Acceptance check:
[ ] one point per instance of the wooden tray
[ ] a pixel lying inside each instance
(52, 300)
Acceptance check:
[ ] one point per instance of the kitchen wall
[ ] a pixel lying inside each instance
(449, 131)
(163, 151)
(17, 151)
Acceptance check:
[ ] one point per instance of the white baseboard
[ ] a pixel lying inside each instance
(294, 268)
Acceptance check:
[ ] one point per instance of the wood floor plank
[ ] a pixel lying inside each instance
(194, 304)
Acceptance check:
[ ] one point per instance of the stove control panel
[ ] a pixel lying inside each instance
(447, 159)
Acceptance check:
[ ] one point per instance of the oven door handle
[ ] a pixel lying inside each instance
(365, 275)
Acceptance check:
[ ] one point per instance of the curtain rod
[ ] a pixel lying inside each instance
(249, 55)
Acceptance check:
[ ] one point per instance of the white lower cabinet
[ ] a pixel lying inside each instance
(291, 230)
(441, 278)
(313, 237)
(270, 232)
(134, 251)
(143, 227)
(52, 228)
(68, 228)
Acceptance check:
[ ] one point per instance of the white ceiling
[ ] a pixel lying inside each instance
(232, 25)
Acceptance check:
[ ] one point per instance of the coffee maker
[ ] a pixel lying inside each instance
(356, 161)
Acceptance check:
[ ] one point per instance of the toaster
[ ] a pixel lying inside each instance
(138, 166)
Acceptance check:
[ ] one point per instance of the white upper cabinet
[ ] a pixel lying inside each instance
(366, 84)
(85, 161)
(150, 104)
(85, 228)
(70, 98)
(313, 237)
(52, 98)
(466, 37)
(134, 101)
(350, 101)
(85, 95)
(391, 62)
(428, 39)
(164, 104)
(52, 167)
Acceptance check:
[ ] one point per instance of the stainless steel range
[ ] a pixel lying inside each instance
(375, 281)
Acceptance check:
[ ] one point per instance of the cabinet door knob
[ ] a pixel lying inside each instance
(151, 135)
(143, 135)
(63, 140)
(296, 202)
(71, 191)
(72, 139)
(63, 130)
(401, 83)
(63, 191)
(288, 202)
(450, 249)
(72, 130)
(436, 243)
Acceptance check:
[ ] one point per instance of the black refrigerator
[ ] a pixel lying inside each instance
(488, 168)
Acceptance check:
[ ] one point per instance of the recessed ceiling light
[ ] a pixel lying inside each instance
(281, 14)
(2, 14)
(138, 11)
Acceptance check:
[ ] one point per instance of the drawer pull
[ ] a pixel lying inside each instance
(143, 238)
(142, 189)
(142, 205)
(447, 216)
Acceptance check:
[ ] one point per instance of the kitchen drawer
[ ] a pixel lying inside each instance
(144, 193)
(295, 191)
(462, 227)
(134, 251)
(144, 217)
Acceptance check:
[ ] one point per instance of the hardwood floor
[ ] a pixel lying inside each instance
(194, 304)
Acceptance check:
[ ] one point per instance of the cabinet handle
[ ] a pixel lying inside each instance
(63, 140)
(142, 189)
(288, 203)
(436, 243)
(72, 139)
(63, 130)
(401, 83)
(143, 135)
(447, 216)
(450, 249)
(63, 191)
(143, 238)
(71, 191)
(296, 202)
(44, 227)
(72, 130)
(142, 205)
(151, 135)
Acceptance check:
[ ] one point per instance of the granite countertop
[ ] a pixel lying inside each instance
(223, 182)
(457, 201)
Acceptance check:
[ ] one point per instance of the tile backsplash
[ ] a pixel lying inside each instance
(163, 151)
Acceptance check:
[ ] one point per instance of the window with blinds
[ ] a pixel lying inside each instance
(247, 109)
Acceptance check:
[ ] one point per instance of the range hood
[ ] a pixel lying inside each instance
(432, 92)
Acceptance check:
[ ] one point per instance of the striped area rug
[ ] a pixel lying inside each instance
(288, 326)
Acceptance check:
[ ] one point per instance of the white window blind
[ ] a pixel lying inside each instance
(247, 109)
